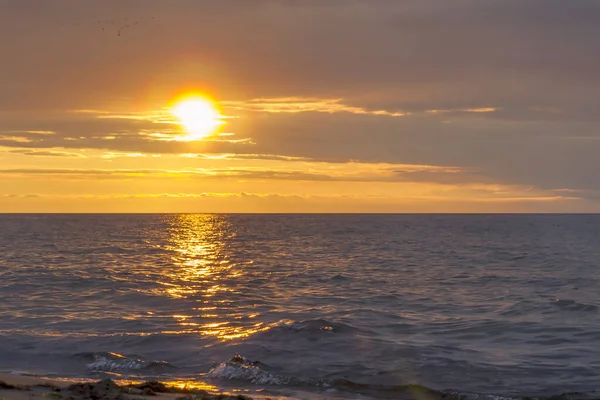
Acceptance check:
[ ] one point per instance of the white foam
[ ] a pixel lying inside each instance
(106, 364)
(242, 369)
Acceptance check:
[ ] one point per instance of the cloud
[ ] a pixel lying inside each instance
(15, 139)
(503, 151)
(112, 155)
(506, 88)
(241, 156)
(426, 54)
(295, 196)
(251, 202)
(293, 105)
(161, 126)
(313, 171)
(46, 153)
(465, 110)
(21, 196)
(414, 182)
(28, 132)
(187, 195)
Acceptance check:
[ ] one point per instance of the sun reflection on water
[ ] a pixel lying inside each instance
(204, 273)
(183, 385)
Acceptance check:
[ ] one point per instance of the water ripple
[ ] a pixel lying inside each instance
(484, 304)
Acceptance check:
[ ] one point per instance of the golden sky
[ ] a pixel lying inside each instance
(299, 106)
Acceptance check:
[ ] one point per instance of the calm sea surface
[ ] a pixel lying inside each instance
(482, 304)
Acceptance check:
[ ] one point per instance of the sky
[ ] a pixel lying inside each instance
(426, 106)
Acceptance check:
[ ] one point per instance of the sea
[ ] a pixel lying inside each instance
(342, 306)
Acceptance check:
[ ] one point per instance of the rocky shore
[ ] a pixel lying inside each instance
(31, 389)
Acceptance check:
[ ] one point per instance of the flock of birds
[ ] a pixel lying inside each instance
(120, 25)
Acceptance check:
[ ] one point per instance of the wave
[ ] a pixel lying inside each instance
(520, 308)
(94, 250)
(114, 362)
(312, 325)
(337, 278)
(572, 305)
(239, 368)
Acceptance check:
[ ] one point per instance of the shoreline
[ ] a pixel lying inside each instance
(28, 387)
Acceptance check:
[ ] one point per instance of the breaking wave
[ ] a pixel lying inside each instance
(114, 362)
(312, 325)
(239, 368)
(572, 305)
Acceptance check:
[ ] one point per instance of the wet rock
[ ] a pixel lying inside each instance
(106, 389)
(198, 393)
(102, 390)
(80, 388)
(154, 386)
(50, 386)
(8, 386)
(207, 396)
(4, 385)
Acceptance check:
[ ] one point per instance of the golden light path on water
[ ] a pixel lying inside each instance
(202, 271)
(181, 384)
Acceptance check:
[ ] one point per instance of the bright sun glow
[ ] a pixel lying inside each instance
(198, 117)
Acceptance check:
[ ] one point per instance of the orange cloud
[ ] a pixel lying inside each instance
(293, 105)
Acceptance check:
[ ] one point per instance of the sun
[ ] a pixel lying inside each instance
(198, 116)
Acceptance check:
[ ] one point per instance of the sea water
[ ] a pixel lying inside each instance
(350, 305)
